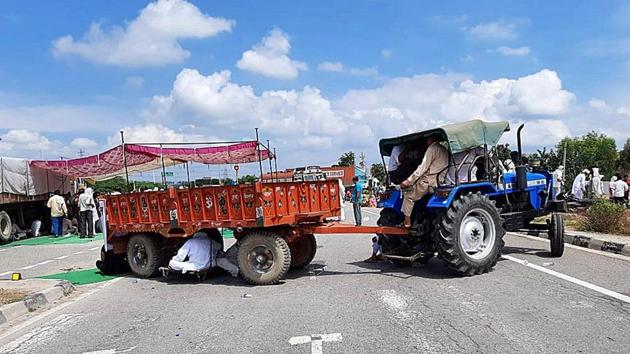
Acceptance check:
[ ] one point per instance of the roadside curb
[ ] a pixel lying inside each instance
(35, 301)
(586, 242)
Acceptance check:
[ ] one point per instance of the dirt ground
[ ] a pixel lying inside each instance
(8, 296)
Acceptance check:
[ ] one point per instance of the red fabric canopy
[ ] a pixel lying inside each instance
(145, 158)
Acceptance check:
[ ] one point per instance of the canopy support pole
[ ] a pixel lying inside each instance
(163, 167)
(269, 158)
(124, 156)
(258, 152)
(188, 174)
(275, 162)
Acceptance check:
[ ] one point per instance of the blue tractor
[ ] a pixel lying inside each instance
(476, 200)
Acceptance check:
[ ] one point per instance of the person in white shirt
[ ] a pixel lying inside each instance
(86, 223)
(596, 183)
(58, 209)
(201, 253)
(619, 189)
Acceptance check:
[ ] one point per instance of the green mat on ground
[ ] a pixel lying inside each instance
(81, 277)
(49, 240)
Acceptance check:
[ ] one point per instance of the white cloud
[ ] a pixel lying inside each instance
(467, 58)
(386, 53)
(492, 31)
(597, 103)
(330, 66)
(83, 143)
(338, 67)
(151, 39)
(22, 139)
(58, 118)
(151, 133)
(270, 58)
(509, 51)
(134, 82)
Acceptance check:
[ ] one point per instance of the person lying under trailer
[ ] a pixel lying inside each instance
(200, 253)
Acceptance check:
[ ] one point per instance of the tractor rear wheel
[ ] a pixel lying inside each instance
(303, 251)
(469, 235)
(263, 258)
(144, 255)
(556, 235)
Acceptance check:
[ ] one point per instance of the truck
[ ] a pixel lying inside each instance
(275, 223)
(24, 192)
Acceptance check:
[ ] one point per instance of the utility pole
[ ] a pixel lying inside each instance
(81, 152)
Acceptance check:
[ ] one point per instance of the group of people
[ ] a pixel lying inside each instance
(81, 210)
(591, 184)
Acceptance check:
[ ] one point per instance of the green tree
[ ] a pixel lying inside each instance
(377, 170)
(624, 158)
(587, 151)
(503, 151)
(247, 179)
(346, 159)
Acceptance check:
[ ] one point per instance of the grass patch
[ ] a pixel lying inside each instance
(8, 296)
(81, 277)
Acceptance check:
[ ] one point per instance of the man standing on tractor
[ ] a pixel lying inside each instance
(424, 178)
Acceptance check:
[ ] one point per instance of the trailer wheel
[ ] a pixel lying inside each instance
(263, 258)
(303, 251)
(469, 235)
(111, 263)
(144, 255)
(556, 235)
(5, 227)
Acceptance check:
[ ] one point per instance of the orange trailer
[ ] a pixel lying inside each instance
(274, 225)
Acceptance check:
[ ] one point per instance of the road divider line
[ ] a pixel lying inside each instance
(93, 248)
(78, 252)
(44, 262)
(61, 257)
(599, 289)
(29, 267)
(6, 273)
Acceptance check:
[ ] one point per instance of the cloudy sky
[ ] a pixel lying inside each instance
(318, 78)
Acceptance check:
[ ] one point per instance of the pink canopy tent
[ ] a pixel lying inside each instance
(140, 158)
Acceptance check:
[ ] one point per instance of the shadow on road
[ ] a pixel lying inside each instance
(526, 250)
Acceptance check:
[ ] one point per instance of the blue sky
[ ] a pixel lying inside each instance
(318, 77)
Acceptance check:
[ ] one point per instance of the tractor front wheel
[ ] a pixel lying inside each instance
(263, 258)
(556, 235)
(469, 235)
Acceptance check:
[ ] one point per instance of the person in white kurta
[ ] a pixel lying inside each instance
(558, 181)
(199, 253)
(596, 183)
(579, 185)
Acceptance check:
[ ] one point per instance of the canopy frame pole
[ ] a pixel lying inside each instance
(275, 162)
(259, 156)
(188, 174)
(124, 156)
(163, 167)
(269, 158)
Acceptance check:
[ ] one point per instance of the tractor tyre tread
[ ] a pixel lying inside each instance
(281, 248)
(446, 235)
(154, 255)
(7, 229)
(556, 235)
(311, 246)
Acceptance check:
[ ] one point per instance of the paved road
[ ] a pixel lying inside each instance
(358, 307)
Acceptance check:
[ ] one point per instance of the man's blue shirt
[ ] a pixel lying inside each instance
(357, 193)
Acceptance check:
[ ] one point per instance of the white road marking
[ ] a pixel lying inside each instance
(571, 279)
(29, 267)
(78, 252)
(370, 212)
(41, 334)
(6, 273)
(583, 249)
(316, 340)
(54, 310)
(94, 249)
(61, 257)
(111, 351)
(44, 262)
(4, 249)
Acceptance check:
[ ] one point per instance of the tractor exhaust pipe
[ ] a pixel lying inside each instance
(521, 169)
(518, 142)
